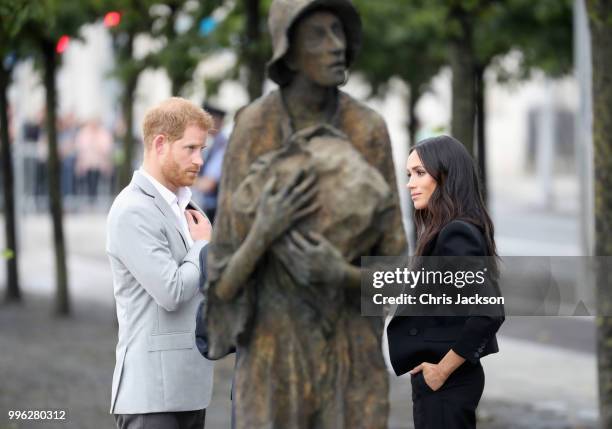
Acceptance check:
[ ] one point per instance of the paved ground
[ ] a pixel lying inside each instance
(544, 376)
(66, 364)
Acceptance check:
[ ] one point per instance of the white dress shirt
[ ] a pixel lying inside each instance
(177, 202)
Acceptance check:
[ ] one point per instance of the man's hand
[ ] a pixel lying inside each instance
(311, 261)
(433, 374)
(199, 225)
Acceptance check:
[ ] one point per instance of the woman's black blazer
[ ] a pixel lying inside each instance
(417, 339)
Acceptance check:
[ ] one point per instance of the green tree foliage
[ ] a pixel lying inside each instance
(38, 26)
(175, 26)
(255, 48)
(481, 31)
(403, 40)
(542, 33)
(412, 39)
(135, 20)
(185, 45)
(245, 32)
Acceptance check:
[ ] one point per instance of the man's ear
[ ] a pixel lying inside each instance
(159, 143)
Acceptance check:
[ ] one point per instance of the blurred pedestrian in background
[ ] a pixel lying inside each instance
(207, 185)
(94, 146)
(68, 128)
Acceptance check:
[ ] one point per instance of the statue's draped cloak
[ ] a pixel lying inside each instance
(306, 357)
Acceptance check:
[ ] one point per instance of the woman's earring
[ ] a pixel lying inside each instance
(346, 78)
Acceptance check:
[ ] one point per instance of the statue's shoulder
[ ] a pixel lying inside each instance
(360, 113)
(263, 107)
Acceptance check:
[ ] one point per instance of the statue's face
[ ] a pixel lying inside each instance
(318, 50)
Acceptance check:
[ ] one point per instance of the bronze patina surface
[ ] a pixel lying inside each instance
(285, 246)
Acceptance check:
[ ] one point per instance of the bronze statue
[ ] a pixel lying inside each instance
(308, 188)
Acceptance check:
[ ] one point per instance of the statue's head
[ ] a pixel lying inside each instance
(316, 38)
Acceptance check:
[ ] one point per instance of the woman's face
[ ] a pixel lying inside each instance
(420, 184)
(319, 49)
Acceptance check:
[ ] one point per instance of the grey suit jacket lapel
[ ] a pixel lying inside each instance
(147, 187)
(192, 204)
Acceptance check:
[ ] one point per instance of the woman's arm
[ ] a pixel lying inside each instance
(459, 238)
(436, 374)
(449, 363)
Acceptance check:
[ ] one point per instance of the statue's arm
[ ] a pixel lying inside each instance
(241, 265)
(230, 266)
(276, 212)
(352, 276)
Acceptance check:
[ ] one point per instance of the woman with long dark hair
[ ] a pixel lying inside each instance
(443, 353)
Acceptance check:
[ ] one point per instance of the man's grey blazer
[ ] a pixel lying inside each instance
(156, 278)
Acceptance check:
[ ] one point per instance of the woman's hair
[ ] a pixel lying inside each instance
(457, 195)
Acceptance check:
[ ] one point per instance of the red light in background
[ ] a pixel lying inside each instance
(112, 19)
(62, 44)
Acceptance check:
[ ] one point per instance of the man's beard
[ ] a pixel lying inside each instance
(176, 176)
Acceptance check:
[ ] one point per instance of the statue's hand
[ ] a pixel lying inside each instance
(311, 261)
(277, 211)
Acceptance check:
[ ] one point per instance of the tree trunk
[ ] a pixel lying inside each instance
(600, 19)
(481, 144)
(127, 107)
(254, 59)
(412, 130)
(177, 82)
(412, 118)
(463, 63)
(176, 86)
(13, 293)
(62, 302)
